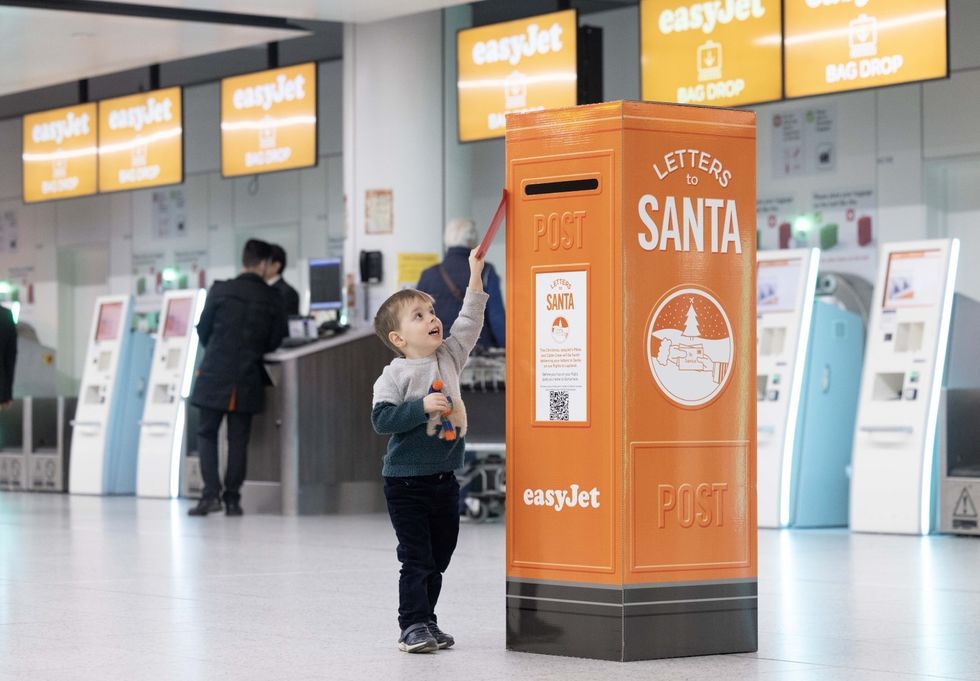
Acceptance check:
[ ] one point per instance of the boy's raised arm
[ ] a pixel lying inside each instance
(468, 325)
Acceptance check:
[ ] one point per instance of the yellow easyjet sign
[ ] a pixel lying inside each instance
(59, 153)
(268, 121)
(141, 141)
(836, 45)
(718, 53)
(517, 66)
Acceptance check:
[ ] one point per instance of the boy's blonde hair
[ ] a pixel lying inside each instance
(387, 319)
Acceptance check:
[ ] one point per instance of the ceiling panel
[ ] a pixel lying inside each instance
(347, 11)
(39, 48)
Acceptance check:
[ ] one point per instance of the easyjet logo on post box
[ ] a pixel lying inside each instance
(558, 499)
(59, 153)
(268, 121)
(516, 66)
(839, 45)
(141, 140)
(719, 52)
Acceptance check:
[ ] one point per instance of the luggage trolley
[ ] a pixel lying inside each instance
(481, 479)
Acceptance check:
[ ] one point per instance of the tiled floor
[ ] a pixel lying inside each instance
(123, 589)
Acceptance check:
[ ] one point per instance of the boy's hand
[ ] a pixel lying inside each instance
(476, 271)
(435, 403)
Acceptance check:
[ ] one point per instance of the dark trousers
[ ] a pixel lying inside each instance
(425, 514)
(239, 429)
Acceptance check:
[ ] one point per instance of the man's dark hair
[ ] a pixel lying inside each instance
(278, 255)
(255, 252)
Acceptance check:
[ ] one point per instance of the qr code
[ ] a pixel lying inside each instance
(558, 405)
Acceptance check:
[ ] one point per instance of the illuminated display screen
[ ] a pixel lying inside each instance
(717, 54)
(110, 318)
(268, 121)
(834, 46)
(59, 153)
(141, 141)
(513, 67)
(914, 279)
(777, 284)
(178, 320)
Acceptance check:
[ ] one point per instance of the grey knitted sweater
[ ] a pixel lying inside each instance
(414, 448)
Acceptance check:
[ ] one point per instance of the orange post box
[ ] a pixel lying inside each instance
(631, 429)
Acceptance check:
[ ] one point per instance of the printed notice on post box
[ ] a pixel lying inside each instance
(561, 338)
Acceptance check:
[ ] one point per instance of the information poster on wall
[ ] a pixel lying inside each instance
(775, 216)
(192, 268)
(169, 213)
(268, 121)
(147, 275)
(561, 367)
(842, 224)
(804, 141)
(513, 67)
(141, 141)
(412, 265)
(835, 45)
(379, 211)
(718, 54)
(60, 153)
(9, 231)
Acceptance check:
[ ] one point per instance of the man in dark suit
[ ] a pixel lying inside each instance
(8, 356)
(277, 265)
(242, 320)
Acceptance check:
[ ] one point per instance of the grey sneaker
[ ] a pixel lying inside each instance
(442, 638)
(417, 639)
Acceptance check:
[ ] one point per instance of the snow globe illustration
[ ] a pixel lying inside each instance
(690, 347)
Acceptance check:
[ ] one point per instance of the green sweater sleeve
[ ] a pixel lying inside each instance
(390, 419)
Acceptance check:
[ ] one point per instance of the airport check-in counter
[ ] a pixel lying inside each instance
(922, 338)
(313, 450)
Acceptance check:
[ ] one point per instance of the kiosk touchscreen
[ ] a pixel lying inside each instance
(809, 363)
(162, 432)
(105, 434)
(918, 340)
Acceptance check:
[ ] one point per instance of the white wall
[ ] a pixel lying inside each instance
(393, 129)
(303, 210)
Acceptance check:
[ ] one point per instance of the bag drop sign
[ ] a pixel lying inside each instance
(561, 345)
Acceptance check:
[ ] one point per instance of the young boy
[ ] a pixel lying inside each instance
(420, 487)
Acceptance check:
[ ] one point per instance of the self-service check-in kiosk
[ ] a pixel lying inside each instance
(921, 337)
(631, 425)
(163, 430)
(105, 432)
(809, 365)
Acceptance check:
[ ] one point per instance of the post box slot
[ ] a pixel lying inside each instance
(561, 186)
